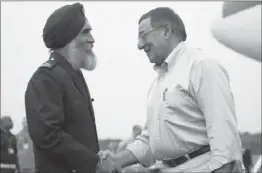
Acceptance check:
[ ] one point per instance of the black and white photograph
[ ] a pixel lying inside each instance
(130, 86)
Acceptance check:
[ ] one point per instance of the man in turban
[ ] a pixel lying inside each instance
(59, 111)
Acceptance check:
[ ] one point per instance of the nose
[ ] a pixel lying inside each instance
(91, 39)
(140, 44)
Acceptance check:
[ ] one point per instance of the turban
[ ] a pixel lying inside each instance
(63, 25)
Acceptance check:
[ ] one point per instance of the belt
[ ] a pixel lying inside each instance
(180, 160)
(7, 166)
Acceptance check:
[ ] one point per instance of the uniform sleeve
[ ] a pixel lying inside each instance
(45, 115)
(214, 96)
(141, 150)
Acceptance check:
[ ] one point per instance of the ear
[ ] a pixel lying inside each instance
(167, 30)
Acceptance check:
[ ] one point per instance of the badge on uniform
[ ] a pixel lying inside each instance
(11, 151)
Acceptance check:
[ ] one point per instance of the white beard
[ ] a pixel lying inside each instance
(81, 59)
(90, 61)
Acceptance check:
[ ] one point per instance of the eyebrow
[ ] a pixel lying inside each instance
(86, 30)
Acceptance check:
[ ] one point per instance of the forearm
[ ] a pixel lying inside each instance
(126, 158)
(140, 149)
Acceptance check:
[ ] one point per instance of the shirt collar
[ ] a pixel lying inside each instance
(171, 59)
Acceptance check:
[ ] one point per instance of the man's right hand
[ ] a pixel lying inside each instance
(108, 166)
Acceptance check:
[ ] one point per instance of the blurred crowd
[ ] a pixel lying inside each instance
(17, 150)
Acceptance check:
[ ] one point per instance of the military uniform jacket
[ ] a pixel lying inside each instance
(8, 148)
(61, 119)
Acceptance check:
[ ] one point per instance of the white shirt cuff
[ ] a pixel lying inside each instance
(142, 152)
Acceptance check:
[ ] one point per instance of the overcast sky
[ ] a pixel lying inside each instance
(122, 79)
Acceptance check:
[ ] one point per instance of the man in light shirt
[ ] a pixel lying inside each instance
(191, 122)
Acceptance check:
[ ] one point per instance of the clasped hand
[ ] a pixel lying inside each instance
(109, 163)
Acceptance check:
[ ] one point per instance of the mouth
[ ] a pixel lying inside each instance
(89, 46)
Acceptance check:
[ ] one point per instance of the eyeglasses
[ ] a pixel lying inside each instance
(143, 35)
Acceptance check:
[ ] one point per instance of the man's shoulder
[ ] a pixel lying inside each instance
(204, 63)
(48, 69)
(49, 64)
(203, 59)
(208, 65)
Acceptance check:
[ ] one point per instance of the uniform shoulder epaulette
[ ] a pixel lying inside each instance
(49, 64)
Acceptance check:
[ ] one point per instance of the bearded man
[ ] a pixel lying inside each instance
(60, 115)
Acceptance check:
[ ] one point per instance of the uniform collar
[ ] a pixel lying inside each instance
(55, 56)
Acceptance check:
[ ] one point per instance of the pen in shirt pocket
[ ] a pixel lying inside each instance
(164, 94)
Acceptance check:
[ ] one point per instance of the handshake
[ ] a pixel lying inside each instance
(109, 163)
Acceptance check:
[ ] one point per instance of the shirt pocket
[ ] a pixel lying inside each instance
(178, 97)
(172, 96)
